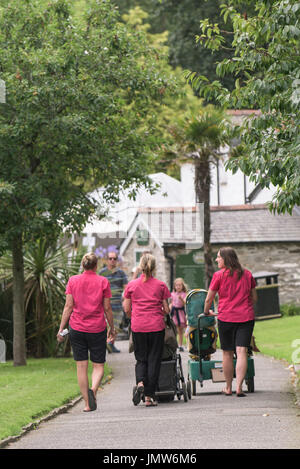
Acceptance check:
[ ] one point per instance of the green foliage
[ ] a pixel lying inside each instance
(78, 95)
(175, 106)
(266, 67)
(46, 270)
(290, 309)
(79, 114)
(181, 20)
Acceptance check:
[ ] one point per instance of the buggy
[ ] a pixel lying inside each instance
(171, 381)
(202, 341)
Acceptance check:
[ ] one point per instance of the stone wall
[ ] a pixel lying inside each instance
(161, 262)
(283, 258)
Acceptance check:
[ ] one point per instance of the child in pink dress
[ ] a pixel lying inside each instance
(178, 297)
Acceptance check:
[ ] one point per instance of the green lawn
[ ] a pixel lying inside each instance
(275, 337)
(29, 392)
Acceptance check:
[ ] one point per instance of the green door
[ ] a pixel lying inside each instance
(191, 268)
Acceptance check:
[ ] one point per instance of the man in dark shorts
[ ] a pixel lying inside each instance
(118, 281)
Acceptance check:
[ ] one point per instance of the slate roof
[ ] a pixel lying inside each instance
(229, 225)
(253, 223)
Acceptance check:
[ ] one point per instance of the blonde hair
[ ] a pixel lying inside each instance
(184, 286)
(147, 265)
(89, 261)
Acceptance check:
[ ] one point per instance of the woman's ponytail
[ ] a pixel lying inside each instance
(147, 265)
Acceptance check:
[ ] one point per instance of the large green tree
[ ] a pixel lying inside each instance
(266, 66)
(181, 19)
(79, 113)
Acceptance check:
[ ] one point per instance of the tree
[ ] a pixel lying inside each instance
(181, 20)
(46, 270)
(266, 64)
(198, 138)
(79, 89)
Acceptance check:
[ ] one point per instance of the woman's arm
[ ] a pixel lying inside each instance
(68, 308)
(253, 295)
(127, 306)
(165, 307)
(208, 301)
(109, 317)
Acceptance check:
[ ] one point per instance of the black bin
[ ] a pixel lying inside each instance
(267, 306)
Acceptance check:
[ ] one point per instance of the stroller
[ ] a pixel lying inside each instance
(203, 343)
(171, 381)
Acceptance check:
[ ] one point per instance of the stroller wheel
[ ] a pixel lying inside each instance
(250, 384)
(185, 394)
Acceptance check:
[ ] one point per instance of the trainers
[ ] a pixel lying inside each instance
(181, 349)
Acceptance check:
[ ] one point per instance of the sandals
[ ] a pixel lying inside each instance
(226, 393)
(150, 402)
(138, 394)
(92, 400)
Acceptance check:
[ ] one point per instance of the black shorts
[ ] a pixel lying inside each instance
(84, 342)
(235, 334)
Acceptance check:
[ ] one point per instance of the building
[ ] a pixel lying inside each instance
(166, 222)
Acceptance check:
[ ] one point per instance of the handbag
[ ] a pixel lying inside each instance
(170, 333)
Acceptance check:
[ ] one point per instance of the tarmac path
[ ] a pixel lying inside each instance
(265, 419)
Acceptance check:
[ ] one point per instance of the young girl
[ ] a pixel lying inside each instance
(178, 296)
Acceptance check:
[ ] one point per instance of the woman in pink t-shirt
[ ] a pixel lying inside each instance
(87, 309)
(146, 302)
(236, 290)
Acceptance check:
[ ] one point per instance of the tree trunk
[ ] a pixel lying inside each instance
(19, 344)
(202, 189)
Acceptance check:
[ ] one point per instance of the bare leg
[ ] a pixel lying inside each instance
(228, 369)
(180, 331)
(241, 367)
(97, 375)
(82, 376)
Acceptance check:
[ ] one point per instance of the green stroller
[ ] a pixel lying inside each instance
(202, 343)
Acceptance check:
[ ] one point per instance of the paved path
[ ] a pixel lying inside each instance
(268, 418)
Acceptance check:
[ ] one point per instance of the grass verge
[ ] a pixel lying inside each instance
(29, 392)
(278, 338)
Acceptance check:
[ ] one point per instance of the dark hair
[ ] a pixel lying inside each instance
(231, 261)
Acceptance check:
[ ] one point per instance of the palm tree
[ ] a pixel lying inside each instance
(198, 138)
(46, 270)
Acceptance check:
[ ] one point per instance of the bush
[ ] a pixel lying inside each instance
(290, 309)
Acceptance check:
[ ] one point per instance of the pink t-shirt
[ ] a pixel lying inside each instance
(235, 304)
(146, 299)
(176, 301)
(88, 291)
